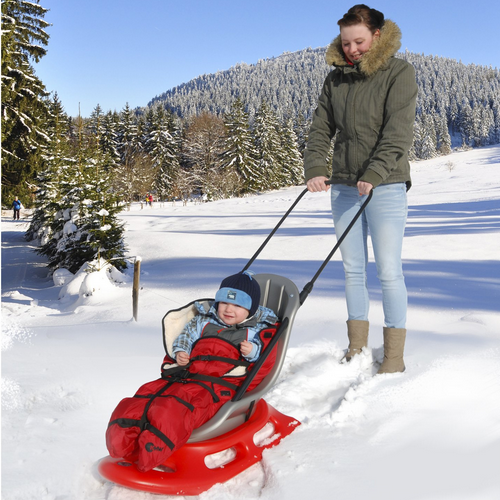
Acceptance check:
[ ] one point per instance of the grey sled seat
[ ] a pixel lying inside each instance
(278, 294)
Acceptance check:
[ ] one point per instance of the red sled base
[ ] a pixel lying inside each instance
(196, 467)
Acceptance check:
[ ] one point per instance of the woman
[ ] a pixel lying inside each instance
(368, 102)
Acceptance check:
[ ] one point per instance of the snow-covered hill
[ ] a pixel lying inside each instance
(431, 433)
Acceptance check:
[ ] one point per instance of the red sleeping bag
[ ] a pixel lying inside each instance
(161, 416)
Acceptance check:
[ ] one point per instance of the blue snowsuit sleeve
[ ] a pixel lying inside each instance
(190, 333)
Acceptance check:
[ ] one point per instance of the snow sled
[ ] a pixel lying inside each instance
(237, 435)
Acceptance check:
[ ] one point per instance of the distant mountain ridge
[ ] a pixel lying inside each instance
(290, 83)
(456, 103)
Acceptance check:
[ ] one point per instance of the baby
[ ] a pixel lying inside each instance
(236, 315)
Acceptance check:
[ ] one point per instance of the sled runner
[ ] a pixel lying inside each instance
(243, 427)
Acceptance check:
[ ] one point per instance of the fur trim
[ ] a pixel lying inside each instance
(383, 48)
(175, 321)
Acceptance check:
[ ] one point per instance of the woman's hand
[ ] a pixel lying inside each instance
(364, 188)
(182, 358)
(317, 184)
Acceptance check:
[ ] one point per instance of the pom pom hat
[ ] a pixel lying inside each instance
(240, 289)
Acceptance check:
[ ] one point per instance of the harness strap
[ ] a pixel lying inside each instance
(174, 372)
(144, 419)
(189, 378)
(214, 380)
(159, 435)
(207, 387)
(188, 405)
(232, 361)
(125, 422)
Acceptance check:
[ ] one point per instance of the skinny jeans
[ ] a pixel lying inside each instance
(384, 218)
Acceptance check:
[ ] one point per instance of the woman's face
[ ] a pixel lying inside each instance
(356, 40)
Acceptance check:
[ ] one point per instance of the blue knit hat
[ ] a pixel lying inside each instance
(240, 289)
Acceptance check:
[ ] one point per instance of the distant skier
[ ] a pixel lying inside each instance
(16, 205)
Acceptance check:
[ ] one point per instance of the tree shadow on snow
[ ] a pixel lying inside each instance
(454, 218)
(431, 283)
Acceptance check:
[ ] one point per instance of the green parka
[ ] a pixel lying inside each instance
(371, 108)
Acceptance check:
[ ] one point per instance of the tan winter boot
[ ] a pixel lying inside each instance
(357, 332)
(394, 344)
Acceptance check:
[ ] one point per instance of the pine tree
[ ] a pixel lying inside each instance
(128, 139)
(293, 165)
(63, 185)
(416, 146)
(58, 164)
(428, 145)
(162, 144)
(268, 146)
(239, 152)
(86, 227)
(136, 172)
(109, 141)
(24, 109)
(466, 123)
(443, 139)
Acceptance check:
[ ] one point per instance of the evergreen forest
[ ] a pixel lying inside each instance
(228, 134)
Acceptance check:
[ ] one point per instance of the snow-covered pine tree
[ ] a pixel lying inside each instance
(63, 211)
(443, 139)
(24, 108)
(104, 127)
(239, 151)
(293, 165)
(109, 141)
(162, 144)
(496, 114)
(135, 175)
(128, 139)
(302, 125)
(58, 165)
(91, 229)
(466, 124)
(414, 152)
(269, 151)
(428, 144)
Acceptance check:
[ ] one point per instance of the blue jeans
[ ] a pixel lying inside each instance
(384, 219)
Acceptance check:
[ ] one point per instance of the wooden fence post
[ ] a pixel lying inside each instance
(135, 288)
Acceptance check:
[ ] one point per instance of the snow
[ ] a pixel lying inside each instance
(71, 350)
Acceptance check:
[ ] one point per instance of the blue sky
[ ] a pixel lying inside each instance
(110, 52)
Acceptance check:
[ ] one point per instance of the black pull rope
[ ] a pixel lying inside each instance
(305, 292)
(258, 364)
(308, 288)
(271, 234)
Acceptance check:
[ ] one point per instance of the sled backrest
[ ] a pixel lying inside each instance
(175, 320)
(282, 296)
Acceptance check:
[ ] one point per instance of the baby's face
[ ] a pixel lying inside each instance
(232, 314)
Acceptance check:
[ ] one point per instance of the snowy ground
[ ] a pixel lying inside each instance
(431, 433)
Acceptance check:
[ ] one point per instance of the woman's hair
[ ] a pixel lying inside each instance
(362, 14)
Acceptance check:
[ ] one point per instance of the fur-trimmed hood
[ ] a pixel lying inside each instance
(383, 48)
